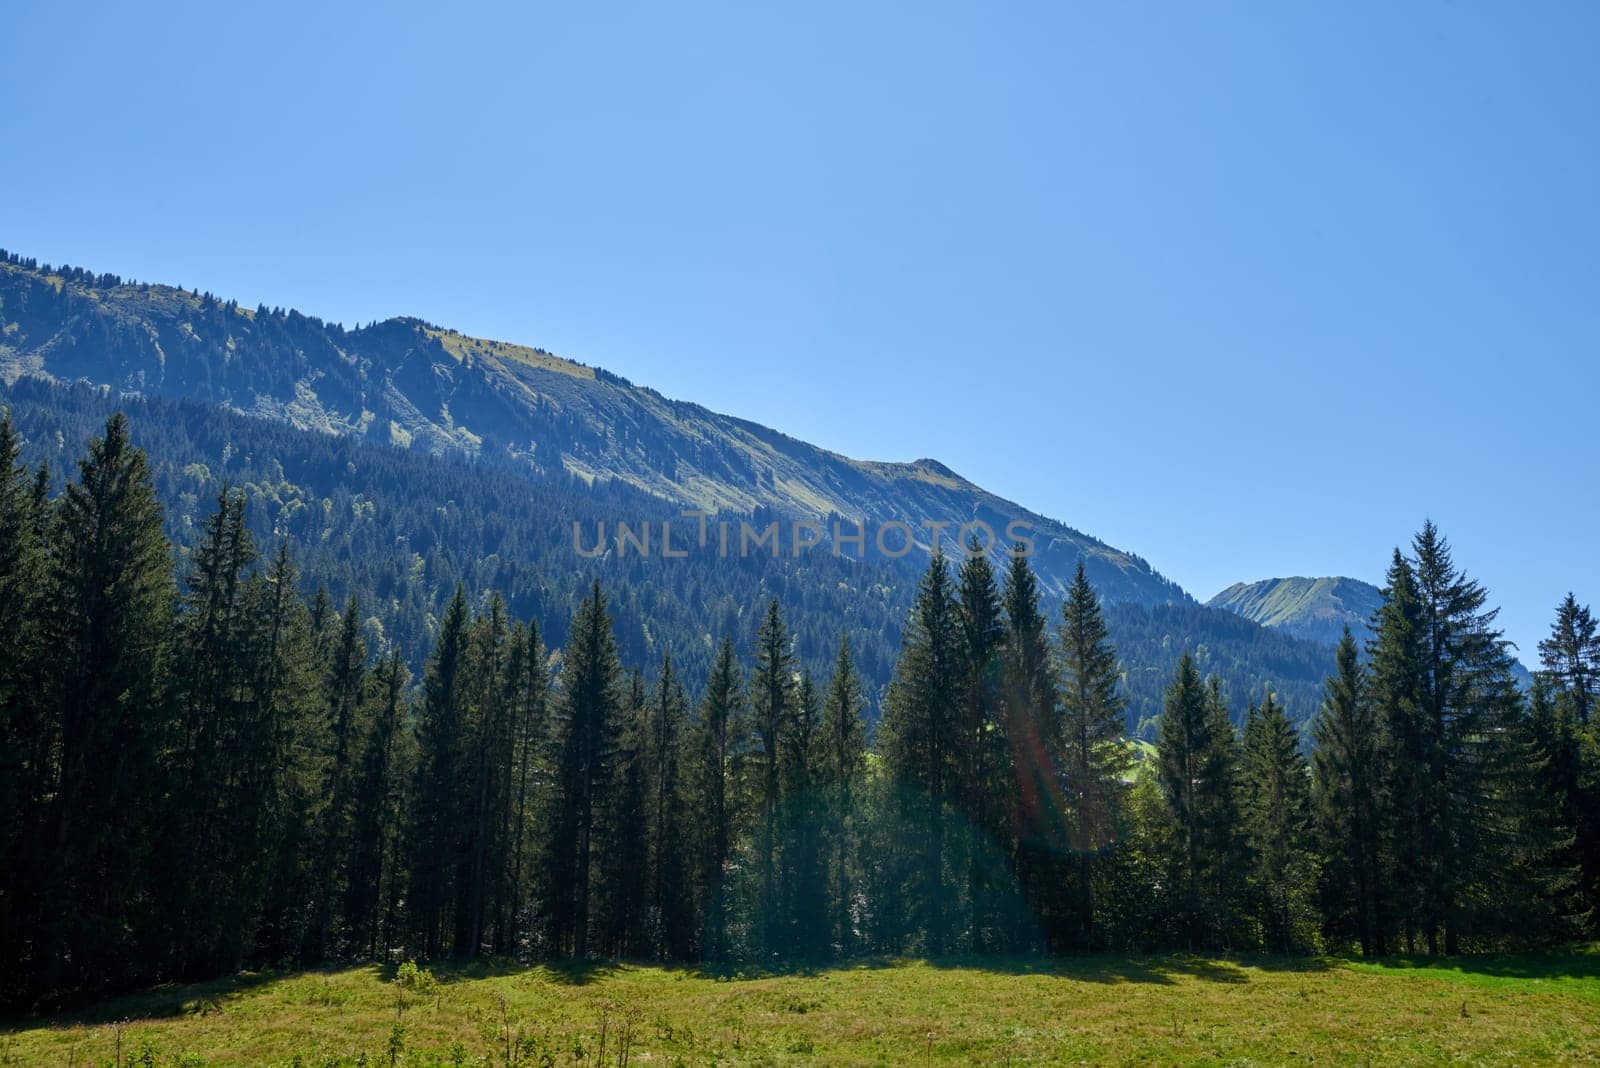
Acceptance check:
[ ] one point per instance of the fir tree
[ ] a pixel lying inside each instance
(1571, 656)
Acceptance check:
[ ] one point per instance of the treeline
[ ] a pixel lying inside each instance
(204, 771)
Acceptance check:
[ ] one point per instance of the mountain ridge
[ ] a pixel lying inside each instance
(419, 385)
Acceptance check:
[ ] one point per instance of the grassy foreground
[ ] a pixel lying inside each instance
(1497, 1010)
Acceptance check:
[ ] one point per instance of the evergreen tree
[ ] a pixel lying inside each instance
(435, 801)
(23, 762)
(803, 894)
(718, 753)
(771, 706)
(378, 818)
(1571, 656)
(1470, 711)
(588, 727)
(670, 907)
(983, 752)
(841, 767)
(525, 784)
(922, 746)
(1196, 768)
(1032, 726)
(1395, 683)
(1276, 810)
(109, 605)
(1095, 762)
(1347, 785)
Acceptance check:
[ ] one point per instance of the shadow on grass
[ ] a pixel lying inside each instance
(166, 1001)
(1577, 963)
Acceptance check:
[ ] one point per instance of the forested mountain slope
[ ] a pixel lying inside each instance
(399, 529)
(412, 384)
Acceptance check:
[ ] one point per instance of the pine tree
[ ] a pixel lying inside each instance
(1275, 806)
(1095, 762)
(922, 745)
(841, 767)
(587, 730)
(771, 705)
(1347, 784)
(718, 754)
(108, 617)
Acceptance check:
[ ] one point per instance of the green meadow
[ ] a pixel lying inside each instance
(1166, 1010)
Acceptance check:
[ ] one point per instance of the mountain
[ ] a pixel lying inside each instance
(402, 458)
(1317, 609)
(412, 384)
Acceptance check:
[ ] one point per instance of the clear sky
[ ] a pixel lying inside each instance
(1248, 288)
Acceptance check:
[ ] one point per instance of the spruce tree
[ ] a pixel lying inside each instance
(1275, 806)
(1196, 761)
(1395, 683)
(983, 753)
(435, 800)
(841, 767)
(1571, 656)
(1470, 711)
(588, 728)
(922, 746)
(109, 604)
(1347, 787)
(1032, 726)
(669, 905)
(718, 752)
(1095, 762)
(771, 705)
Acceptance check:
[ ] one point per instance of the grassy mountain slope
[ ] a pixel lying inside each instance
(412, 384)
(1314, 608)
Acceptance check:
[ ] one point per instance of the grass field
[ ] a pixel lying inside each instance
(1166, 1010)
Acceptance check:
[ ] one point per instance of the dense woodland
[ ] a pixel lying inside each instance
(204, 769)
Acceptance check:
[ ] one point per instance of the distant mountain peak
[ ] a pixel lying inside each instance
(1318, 608)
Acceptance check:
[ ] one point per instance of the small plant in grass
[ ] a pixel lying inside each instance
(414, 979)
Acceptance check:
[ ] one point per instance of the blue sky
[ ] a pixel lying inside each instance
(1250, 288)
